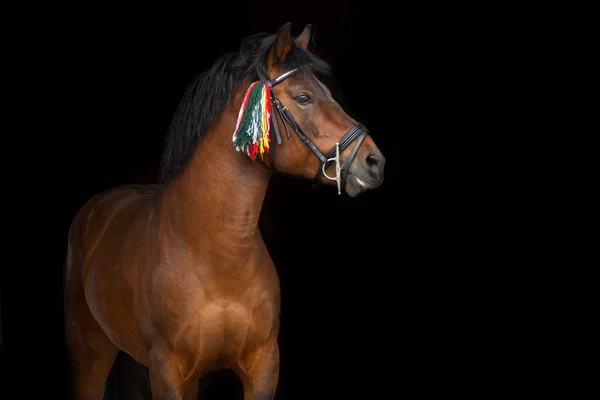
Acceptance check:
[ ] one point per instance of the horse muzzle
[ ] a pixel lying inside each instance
(365, 173)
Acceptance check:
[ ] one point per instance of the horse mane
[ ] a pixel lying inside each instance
(209, 93)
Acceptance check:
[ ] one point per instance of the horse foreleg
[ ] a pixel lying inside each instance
(91, 352)
(192, 390)
(92, 356)
(260, 381)
(165, 375)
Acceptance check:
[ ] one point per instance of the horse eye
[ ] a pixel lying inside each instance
(303, 98)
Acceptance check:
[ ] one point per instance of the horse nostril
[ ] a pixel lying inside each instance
(374, 163)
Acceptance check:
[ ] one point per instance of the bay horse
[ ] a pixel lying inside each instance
(177, 274)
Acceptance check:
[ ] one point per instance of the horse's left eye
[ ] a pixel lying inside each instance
(303, 98)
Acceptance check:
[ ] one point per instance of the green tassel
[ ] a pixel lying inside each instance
(249, 127)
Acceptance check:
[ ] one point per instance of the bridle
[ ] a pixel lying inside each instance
(358, 133)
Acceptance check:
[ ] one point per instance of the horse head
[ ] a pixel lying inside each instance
(314, 137)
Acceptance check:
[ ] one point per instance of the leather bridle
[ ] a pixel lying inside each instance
(358, 133)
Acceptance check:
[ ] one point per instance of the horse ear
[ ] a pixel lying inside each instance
(282, 45)
(307, 37)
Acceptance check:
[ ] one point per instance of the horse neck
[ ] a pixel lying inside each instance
(215, 203)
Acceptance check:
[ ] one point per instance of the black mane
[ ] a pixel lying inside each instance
(211, 91)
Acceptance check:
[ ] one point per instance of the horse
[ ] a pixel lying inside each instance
(176, 274)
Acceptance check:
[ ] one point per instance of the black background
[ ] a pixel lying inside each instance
(388, 292)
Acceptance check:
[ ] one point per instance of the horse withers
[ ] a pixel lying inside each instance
(177, 274)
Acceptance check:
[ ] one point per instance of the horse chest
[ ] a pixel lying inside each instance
(225, 329)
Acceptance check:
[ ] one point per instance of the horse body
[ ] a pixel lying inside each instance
(178, 275)
(193, 278)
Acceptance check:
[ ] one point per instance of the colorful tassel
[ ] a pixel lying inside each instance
(253, 128)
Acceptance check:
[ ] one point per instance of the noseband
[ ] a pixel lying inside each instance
(357, 133)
